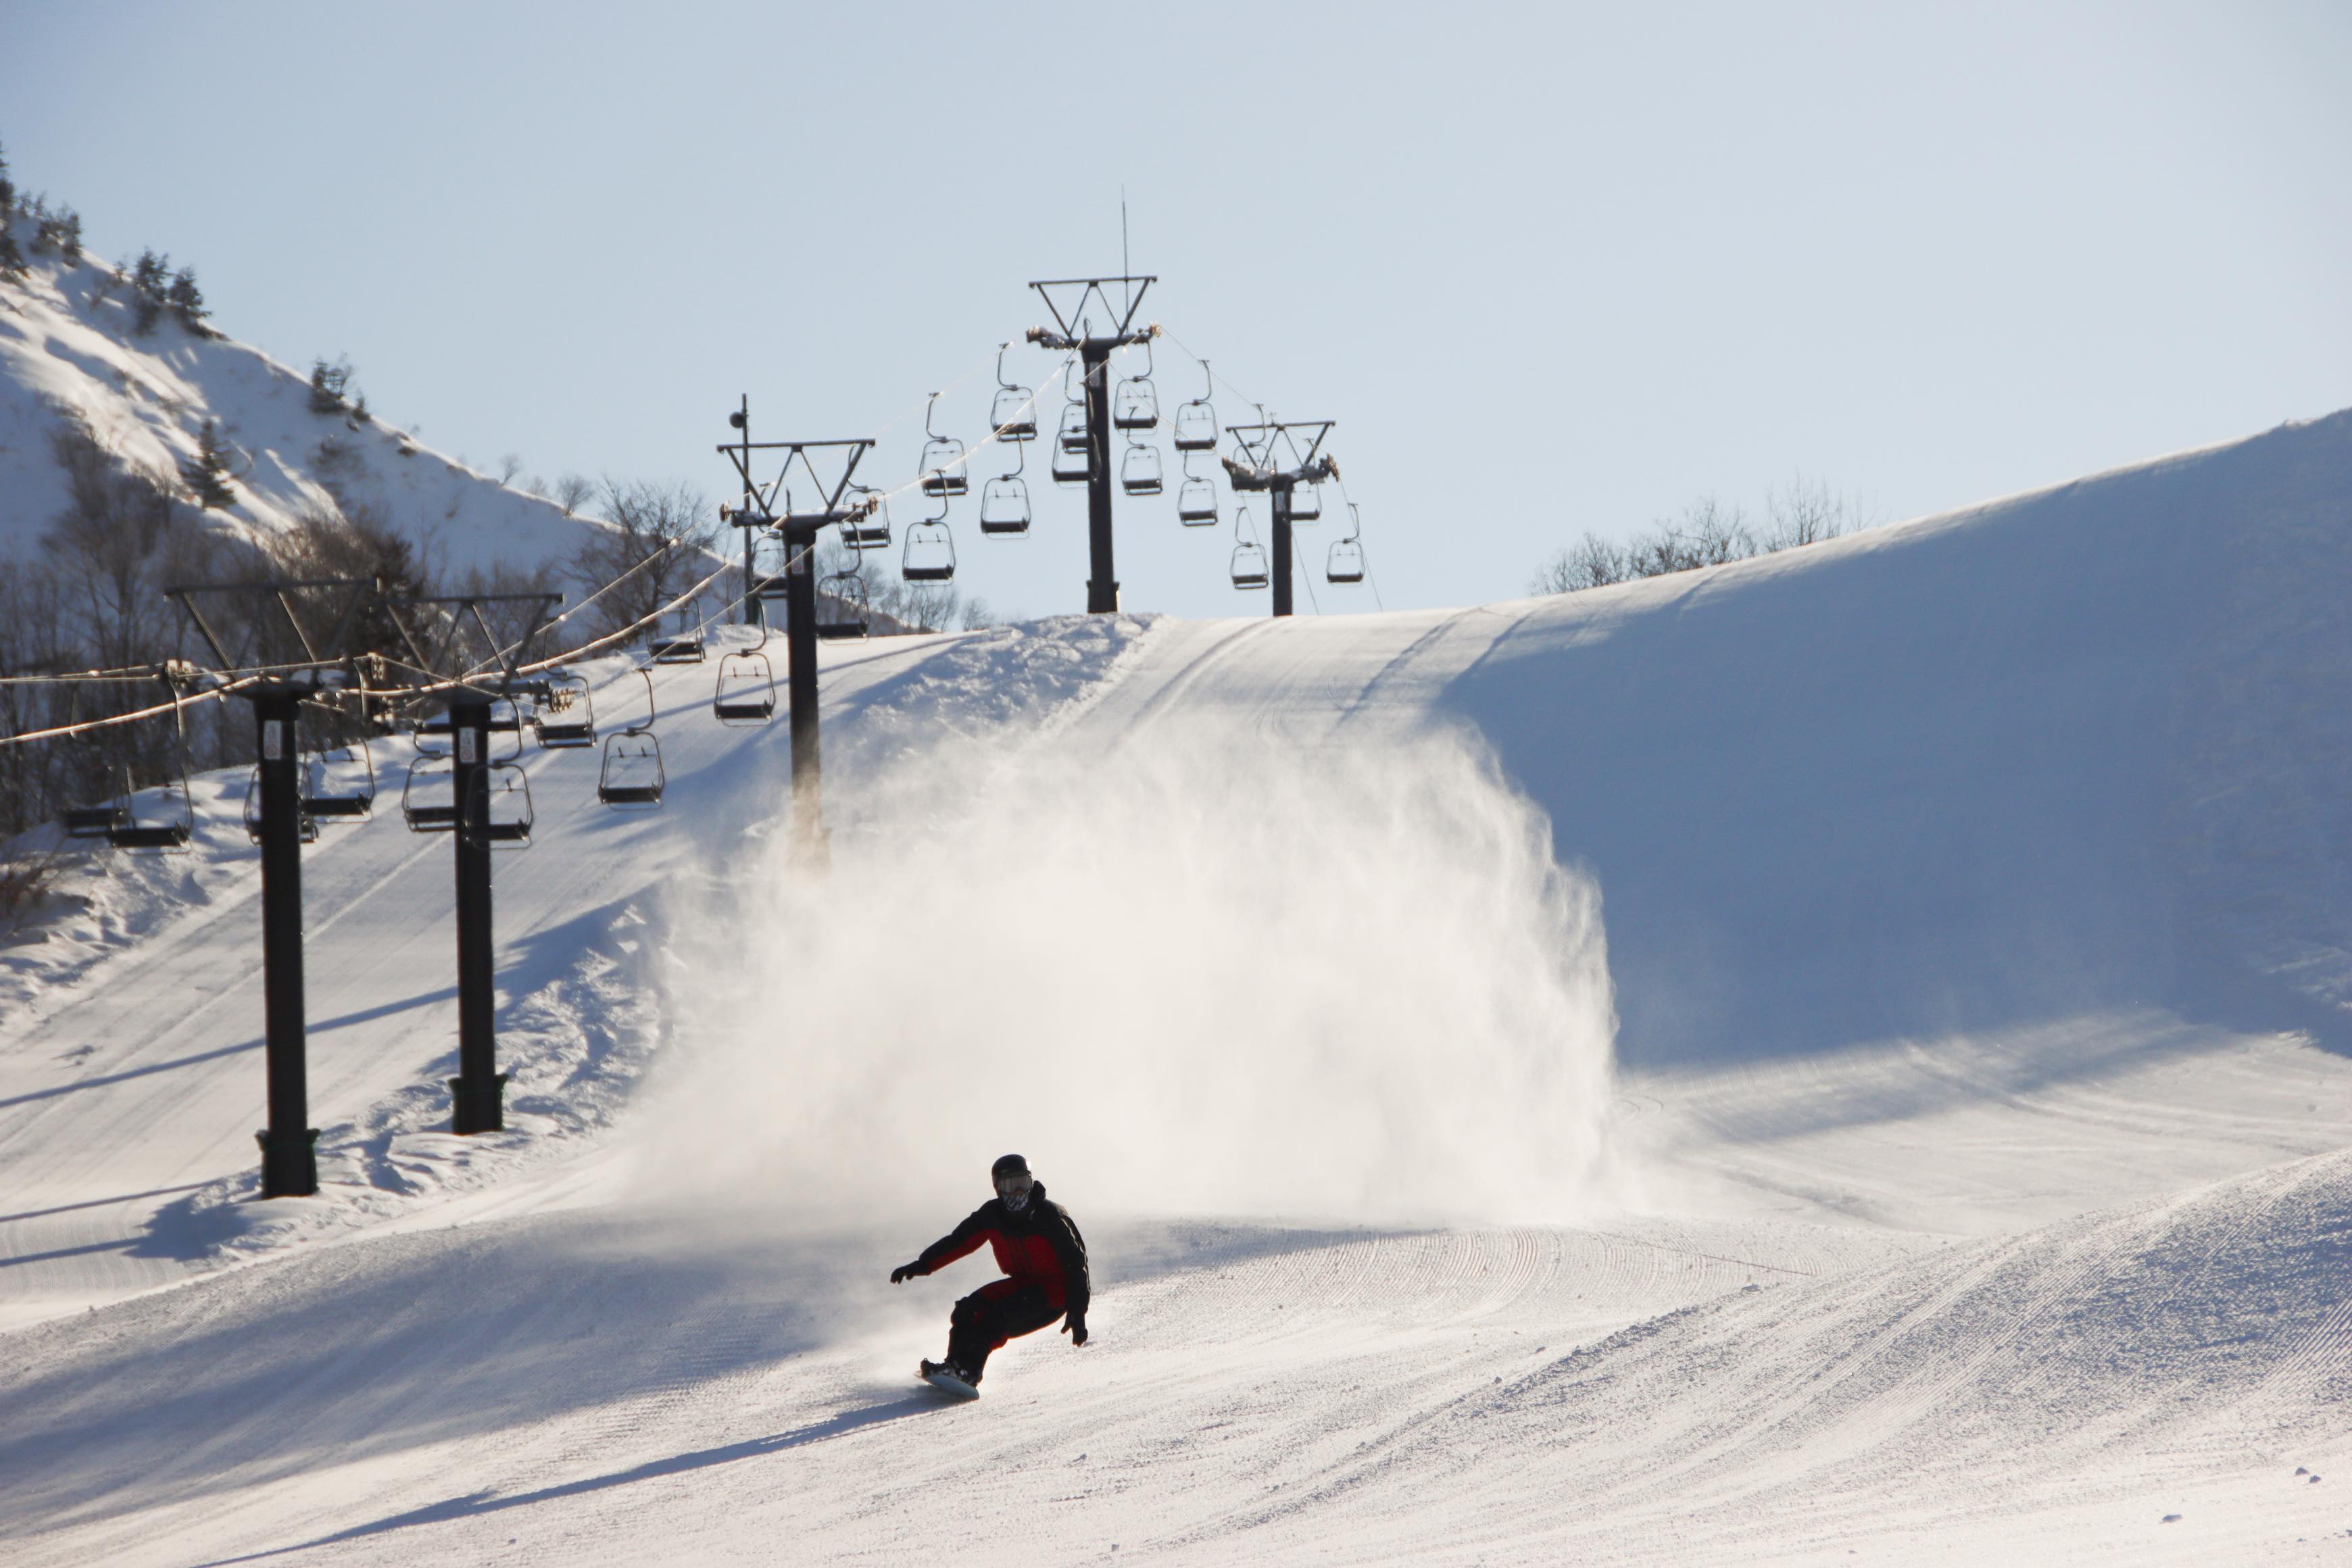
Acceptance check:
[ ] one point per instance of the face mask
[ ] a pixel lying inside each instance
(1014, 1191)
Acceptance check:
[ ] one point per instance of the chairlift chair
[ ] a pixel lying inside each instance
(745, 692)
(1195, 427)
(682, 645)
(768, 559)
(871, 532)
(90, 821)
(1012, 413)
(845, 592)
(630, 777)
(942, 468)
(1138, 471)
(307, 825)
(1004, 506)
(168, 832)
(428, 797)
(1073, 436)
(1196, 503)
(1345, 561)
(566, 719)
(931, 553)
(1135, 404)
(1248, 566)
(329, 793)
(499, 814)
(1306, 504)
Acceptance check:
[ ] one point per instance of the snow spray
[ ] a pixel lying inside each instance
(1207, 972)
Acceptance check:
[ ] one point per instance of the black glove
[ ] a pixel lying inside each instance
(904, 1272)
(1074, 1325)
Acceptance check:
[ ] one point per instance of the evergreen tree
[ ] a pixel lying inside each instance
(7, 191)
(328, 383)
(207, 473)
(186, 300)
(58, 231)
(150, 284)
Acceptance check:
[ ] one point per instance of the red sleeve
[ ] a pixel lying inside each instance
(961, 1242)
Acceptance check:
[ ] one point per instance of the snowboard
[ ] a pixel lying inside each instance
(946, 1382)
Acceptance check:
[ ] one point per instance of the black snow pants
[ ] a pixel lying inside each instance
(997, 1311)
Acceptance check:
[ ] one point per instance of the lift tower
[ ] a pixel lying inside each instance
(1258, 467)
(799, 529)
(1076, 332)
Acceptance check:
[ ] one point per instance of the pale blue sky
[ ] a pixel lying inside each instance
(1550, 267)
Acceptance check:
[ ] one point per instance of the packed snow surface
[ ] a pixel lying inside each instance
(1838, 1057)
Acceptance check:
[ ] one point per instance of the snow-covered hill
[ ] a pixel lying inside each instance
(1832, 1058)
(70, 350)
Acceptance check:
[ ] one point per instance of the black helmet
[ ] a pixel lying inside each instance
(1013, 1182)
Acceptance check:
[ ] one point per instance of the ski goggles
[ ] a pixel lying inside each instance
(1014, 1187)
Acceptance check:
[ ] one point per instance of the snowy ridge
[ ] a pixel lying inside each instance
(68, 351)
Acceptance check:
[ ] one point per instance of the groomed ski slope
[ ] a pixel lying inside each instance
(1960, 1182)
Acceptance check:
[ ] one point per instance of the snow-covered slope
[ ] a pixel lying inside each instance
(1967, 901)
(68, 349)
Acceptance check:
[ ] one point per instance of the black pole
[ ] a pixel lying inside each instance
(1278, 502)
(478, 1092)
(800, 652)
(289, 1159)
(1102, 583)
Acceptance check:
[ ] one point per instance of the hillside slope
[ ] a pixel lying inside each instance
(70, 351)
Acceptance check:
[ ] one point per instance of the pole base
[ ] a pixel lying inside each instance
(479, 1105)
(289, 1164)
(1102, 599)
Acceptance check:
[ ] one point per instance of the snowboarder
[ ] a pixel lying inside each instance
(1044, 1261)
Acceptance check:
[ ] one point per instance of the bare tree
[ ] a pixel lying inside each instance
(508, 467)
(660, 543)
(1708, 533)
(572, 492)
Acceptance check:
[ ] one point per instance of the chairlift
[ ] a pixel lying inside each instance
(1134, 405)
(1073, 437)
(90, 821)
(942, 465)
(330, 791)
(1195, 428)
(1004, 506)
(845, 593)
(1248, 566)
(1012, 414)
(499, 814)
(169, 833)
(566, 719)
(1138, 471)
(1307, 504)
(746, 693)
(428, 797)
(1196, 503)
(1345, 561)
(307, 825)
(931, 553)
(681, 644)
(1135, 401)
(632, 778)
(872, 530)
(770, 558)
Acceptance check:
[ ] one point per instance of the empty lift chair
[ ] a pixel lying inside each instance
(1248, 567)
(1195, 429)
(942, 466)
(1012, 414)
(842, 607)
(631, 777)
(1004, 501)
(745, 692)
(499, 814)
(1345, 560)
(931, 553)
